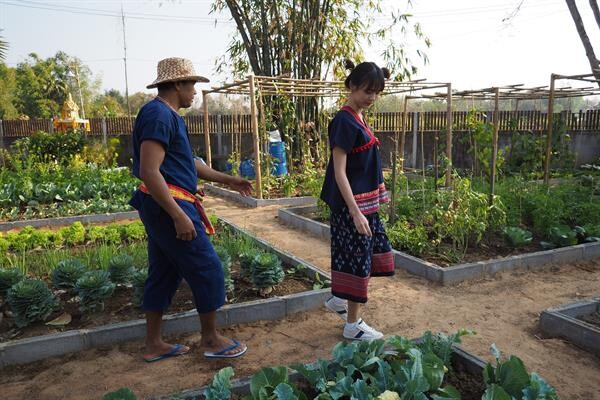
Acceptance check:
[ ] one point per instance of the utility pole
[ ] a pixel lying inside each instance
(125, 61)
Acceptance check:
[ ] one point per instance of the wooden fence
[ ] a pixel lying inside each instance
(381, 122)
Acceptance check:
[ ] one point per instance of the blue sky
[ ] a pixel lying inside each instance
(472, 46)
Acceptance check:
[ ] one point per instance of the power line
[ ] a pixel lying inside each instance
(112, 14)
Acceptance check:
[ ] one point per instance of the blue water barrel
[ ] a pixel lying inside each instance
(247, 169)
(277, 151)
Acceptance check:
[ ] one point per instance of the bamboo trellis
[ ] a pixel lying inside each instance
(259, 86)
(519, 92)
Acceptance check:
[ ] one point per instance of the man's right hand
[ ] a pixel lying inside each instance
(184, 227)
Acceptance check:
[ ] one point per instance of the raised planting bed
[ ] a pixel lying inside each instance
(59, 221)
(432, 367)
(579, 323)
(301, 218)
(303, 288)
(254, 202)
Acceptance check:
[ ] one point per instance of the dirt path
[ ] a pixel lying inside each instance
(503, 310)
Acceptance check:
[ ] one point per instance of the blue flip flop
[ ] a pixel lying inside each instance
(174, 352)
(221, 353)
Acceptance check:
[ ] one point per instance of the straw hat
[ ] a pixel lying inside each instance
(175, 69)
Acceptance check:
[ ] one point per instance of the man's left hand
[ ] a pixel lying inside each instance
(241, 185)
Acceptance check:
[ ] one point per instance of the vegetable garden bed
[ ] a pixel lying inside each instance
(254, 202)
(578, 322)
(262, 282)
(60, 221)
(432, 367)
(303, 218)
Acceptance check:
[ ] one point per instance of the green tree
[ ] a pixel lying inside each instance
(137, 100)
(43, 84)
(311, 38)
(109, 104)
(8, 87)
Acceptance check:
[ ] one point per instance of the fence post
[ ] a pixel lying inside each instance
(219, 135)
(1, 135)
(50, 126)
(415, 138)
(104, 130)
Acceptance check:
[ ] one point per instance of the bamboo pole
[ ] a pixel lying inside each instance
(449, 136)
(206, 129)
(494, 145)
(255, 136)
(550, 127)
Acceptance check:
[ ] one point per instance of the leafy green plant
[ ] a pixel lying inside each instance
(562, 236)
(404, 237)
(267, 271)
(225, 258)
(74, 234)
(138, 281)
(9, 277)
(247, 259)
(134, 231)
(220, 387)
(121, 394)
(517, 237)
(510, 380)
(120, 268)
(31, 300)
(66, 273)
(93, 288)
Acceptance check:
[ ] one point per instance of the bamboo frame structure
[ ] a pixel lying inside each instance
(518, 92)
(255, 85)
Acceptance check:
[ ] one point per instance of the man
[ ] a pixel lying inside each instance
(178, 246)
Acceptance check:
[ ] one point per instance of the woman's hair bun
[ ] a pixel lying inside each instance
(386, 73)
(348, 64)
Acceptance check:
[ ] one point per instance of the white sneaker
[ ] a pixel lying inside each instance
(338, 306)
(361, 331)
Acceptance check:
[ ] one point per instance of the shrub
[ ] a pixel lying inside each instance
(120, 268)
(93, 288)
(66, 273)
(9, 277)
(31, 300)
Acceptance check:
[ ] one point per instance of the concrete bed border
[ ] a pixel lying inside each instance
(562, 322)
(254, 202)
(241, 387)
(457, 273)
(84, 219)
(37, 348)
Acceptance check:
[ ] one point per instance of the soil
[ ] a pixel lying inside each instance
(503, 310)
(119, 307)
(593, 319)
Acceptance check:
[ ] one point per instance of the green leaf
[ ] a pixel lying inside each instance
(433, 370)
(446, 393)
(264, 381)
(495, 392)
(360, 391)
(121, 394)
(283, 391)
(512, 376)
(219, 389)
(539, 389)
(342, 388)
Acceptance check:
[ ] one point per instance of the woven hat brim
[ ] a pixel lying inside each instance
(196, 78)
